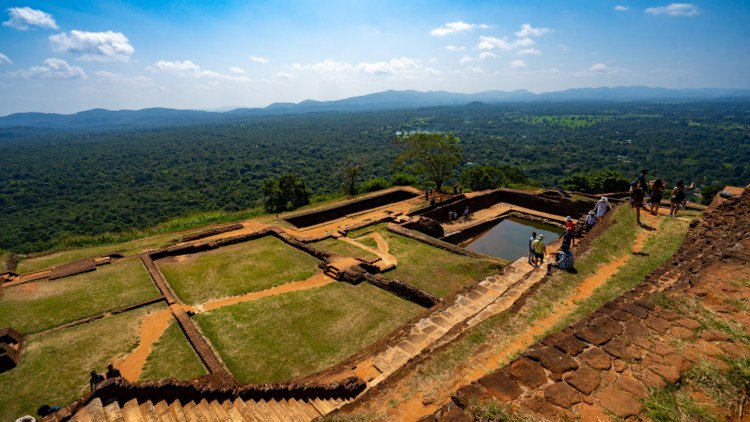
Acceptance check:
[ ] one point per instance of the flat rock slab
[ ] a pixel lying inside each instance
(621, 349)
(552, 359)
(501, 385)
(619, 402)
(561, 394)
(571, 345)
(528, 373)
(593, 335)
(597, 359)
(584, 380)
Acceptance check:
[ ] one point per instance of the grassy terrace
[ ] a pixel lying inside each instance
(431, 269)
(502, 332)
(44, 262)
(340, 247)
(237, 269)
(55, 367)
(296, 334)
(39, 305)
(172, 356)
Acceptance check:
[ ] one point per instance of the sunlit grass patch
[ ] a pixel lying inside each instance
(295, 334)
(343, 248)
(39, 305)
(55, 367)
(237, 269)
(172, 356)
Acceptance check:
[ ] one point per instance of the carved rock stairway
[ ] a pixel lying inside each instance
(237, 410)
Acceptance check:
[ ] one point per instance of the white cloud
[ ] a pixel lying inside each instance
(177, 67)
(236, 69)
(486, 55)
(621, 8)
(190, 69)
(261, 60)
(5, 59)
(529, 52)
(24, 18)
(139, 80)
(466, 59)
(517, 64)
(529, 31)
(474, 69)
(402, 65)
(456, 27)
(675, 9)
(563, 47)
(523, 42)
(492, 43)
(283, 75)
(326, 66)
(454, 48)
(53, 69)
(598, 68)
(94, 46)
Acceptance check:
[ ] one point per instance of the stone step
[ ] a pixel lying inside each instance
(253, 413)
(202, 410)
(323, 406)
(291, 408)
(188, 410)
(308, 409)
(131, 412)
(234, 415)
(113, 413)
(267, 413)
(219, 411)
(278, 410)
(162, 411)
(148, 412)
(82, 415)
(239, 405)
(175, 409)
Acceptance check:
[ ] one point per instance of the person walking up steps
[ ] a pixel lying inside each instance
(602, 207)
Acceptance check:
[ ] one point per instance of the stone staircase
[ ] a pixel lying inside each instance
(492, 296)
(236, 410)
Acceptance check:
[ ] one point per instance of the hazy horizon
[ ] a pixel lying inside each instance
(192, 55)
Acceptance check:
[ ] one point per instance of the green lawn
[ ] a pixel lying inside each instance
(44, 262)
(434, 270)
(342, 248)
(39, 305)
(55, 367)
(172, 356)
(236, 269)
(296, 334)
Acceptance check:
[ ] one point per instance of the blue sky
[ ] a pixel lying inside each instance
(65, 56)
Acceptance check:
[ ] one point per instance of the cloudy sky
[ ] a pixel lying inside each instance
(68, 56)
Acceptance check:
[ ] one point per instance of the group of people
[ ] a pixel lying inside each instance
(95, 377)
(453, 215)
(640, 188)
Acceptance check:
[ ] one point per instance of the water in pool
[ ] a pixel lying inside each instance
(509, 239)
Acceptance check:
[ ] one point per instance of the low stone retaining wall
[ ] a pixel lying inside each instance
(471, 231)
(11, 342)
(440, 244)
(73, 268)
(403, 290)
(212, 232)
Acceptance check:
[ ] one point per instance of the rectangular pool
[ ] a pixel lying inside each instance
(509, 239)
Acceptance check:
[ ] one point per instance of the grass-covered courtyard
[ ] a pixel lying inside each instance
(236, 269)
(296, 334)
(172, 356)
(40, 305)
(55, 367)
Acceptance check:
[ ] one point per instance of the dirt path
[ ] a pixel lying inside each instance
(381, 251)
(152, 327)
(418, 406)
(317, 280)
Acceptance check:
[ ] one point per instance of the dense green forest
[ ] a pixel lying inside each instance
(56, 183)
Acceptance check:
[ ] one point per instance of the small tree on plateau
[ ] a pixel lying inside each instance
(434, 155)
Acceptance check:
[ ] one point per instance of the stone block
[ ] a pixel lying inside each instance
(501, 385)
(608, 325)
(662, 348)
(688, 323)
(571, 345)
(630, 384)
(468, 393)
(634, 328)
(561, 394)
(669, 373)
(548, 410)
(734, 349)
(649, 378)
(584, 380)
(597, 359)
(593, 335)
(552, 359)
(619, 402)
(636, 310)
(621, 316)
(528, 373)
(619, 348)
(714, 335)
(657, 324)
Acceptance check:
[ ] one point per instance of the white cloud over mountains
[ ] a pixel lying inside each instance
(52, 69)
(189, 69)
(529, 31)
(24, 18)
(456, 27)
(403, 65)
(94, 46)
(675, 9)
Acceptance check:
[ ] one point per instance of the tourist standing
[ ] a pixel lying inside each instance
(590, 221)
(540, 249)
(676, 199)
(531, 248)
(637, 194)
(657, 190)
(602, 207)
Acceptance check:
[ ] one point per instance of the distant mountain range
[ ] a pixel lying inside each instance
(388, 100)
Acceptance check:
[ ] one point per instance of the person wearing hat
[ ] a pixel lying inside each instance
(570, 224)
(540, 249)
(590, 220)
(602, 207)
